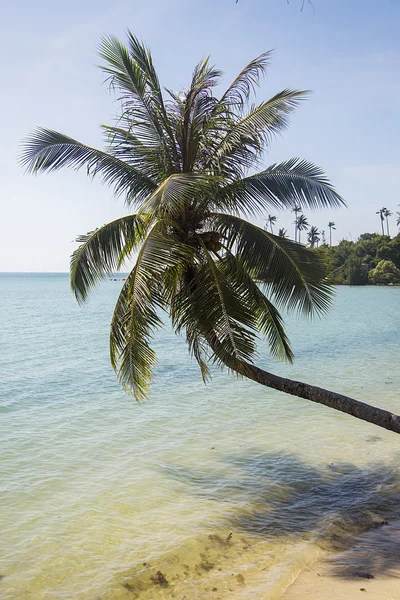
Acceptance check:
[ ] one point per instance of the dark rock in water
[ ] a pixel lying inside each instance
(1, 577)
(363, 575)
(160, 579)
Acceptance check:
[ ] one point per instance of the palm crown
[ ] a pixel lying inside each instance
(185, 164)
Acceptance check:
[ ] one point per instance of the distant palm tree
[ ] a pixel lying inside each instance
(296, 209)
(387, 214)
(283, 232)
(301, 224)
(271, 220)
(331, 226)
(398, 219)
(381, 213)
(313, 236)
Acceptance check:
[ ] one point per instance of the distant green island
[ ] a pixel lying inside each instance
(372, 260)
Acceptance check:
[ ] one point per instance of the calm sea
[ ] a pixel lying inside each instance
(201, 492)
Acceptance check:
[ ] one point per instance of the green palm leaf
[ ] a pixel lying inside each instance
(281, 186)
(126, 146)
(131, 72)
(269, 321)
(48, 150)
(245, 138)
(180, 191)
(102, 252)
(209, 308)
(238, 93)
(136, 313)
(293, 276)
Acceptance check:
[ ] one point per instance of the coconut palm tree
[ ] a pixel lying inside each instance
(398, 219)
(282, 232)
(313, 236)
(296, 209)
(302, 224)
(181, 162)
(271, 220)
(331, 226)
(381, 214)
(387, 214)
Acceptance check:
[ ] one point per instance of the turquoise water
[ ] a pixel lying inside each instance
(103, 498)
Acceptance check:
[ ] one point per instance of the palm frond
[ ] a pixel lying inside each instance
(102, 252)
(281, 186)
(47, 150)
(269, 321)
(192, 109)
(238, 93)
(293, 277)
(136, 313)
(126, 146)
(209, 308)
(179, 191)
(246, 138)
(131, 73)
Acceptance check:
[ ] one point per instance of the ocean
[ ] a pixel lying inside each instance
(217, 491)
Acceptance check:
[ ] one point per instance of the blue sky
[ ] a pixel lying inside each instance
(346, 52)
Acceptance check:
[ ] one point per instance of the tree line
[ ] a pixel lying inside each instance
(372, 259)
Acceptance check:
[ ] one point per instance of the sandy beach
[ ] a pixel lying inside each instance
(370, 568)
(318, 584)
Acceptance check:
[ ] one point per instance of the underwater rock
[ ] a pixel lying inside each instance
(160, 579)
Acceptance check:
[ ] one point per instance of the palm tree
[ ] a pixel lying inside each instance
(331, 226)
(398, 219)
(271, 220)
(313, 236)
(181, 162)
(282, 232)
(296, 209)
(302, 224)
(381, 214)
(387, 214)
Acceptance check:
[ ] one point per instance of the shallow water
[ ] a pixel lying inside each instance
(202, 492)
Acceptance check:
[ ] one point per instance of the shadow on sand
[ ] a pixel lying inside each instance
(278, 495)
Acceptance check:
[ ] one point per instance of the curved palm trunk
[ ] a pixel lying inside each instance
(355, 408)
